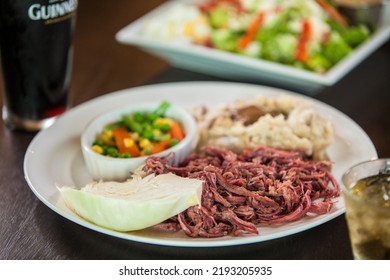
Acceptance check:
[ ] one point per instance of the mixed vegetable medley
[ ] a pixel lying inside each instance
(139, 134)
(307, 34)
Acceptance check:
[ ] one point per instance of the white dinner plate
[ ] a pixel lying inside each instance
(242, 68)
(54, 158)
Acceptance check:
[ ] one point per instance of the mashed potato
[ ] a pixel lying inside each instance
(283, 122)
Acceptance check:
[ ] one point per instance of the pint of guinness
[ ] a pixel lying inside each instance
(36, 58)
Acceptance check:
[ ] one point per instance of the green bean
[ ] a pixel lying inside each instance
(161, 137)
(162, 108)
(112, 126)
(131, 124)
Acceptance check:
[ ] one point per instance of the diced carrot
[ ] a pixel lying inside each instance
(120, 135)
(208, 6)
(250, 34)
(302, 53)
(160, 146)
(176, 131)
(333, 13)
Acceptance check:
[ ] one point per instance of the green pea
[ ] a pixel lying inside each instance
(97, 142)
(148, 134)
(165, 127)
(173, 142)
(125, 155)
(138, 117)
(151, 117)
(112, 152)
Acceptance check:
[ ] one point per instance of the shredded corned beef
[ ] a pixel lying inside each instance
(240, 191)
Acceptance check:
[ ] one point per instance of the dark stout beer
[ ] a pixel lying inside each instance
(36, 56)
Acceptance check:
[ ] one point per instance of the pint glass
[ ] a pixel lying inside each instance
(36, 58)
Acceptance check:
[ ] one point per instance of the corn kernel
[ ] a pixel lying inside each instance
(97, 149)
(162, 121)
(109, 133)
(128, 142)
(107, 138)
(156, 132)
(135, 136)
(145, 143)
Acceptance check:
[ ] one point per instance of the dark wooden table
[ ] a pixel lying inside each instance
(30, 230)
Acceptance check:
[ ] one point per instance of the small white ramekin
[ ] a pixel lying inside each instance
(107, 168)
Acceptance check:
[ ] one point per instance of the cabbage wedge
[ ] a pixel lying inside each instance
(134, 204)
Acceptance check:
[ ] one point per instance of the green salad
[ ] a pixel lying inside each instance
(307, 34)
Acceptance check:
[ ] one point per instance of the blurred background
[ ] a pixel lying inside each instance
(98, 57)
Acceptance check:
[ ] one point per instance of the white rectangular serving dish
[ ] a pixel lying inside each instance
(246, 69)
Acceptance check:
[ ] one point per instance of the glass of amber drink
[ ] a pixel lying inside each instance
(366, 189)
